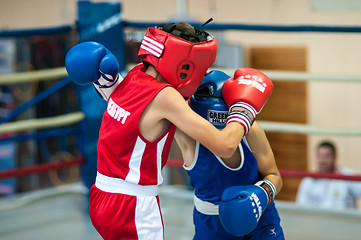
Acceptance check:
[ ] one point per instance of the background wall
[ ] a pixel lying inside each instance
(330, 104)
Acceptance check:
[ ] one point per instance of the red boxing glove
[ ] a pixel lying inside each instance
(245, 94)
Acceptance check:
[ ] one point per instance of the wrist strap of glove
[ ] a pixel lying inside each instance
(269, 189)
(105, 90)
(106, 82)
(242, 113)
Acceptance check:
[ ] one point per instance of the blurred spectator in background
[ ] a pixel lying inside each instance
(329, 193)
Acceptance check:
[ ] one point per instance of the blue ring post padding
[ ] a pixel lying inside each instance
(35, 100)
(99, 22)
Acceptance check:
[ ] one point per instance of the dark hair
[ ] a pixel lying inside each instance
(186, 31)
(329, 145)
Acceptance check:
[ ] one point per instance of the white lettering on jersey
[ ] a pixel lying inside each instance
(117, 112)
(254, 81)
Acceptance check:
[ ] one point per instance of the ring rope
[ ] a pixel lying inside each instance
(301, 174)
(36, 31)
(308, 129)
(44, 94)
(41, 123)
(31, 76)
(41, 134)
(268, 126)
(67, 119)
(255, 27)
(54, 73)
(304, 76)
(284, 28)
(213, 26)
(43, 167)
(178, 163)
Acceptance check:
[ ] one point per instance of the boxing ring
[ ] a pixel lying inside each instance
(60, 212)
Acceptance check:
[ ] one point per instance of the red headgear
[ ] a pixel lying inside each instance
(180, 62)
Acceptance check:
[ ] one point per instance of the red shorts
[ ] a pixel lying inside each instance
(121, 216)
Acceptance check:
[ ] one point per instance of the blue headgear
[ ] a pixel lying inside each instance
(208, 102)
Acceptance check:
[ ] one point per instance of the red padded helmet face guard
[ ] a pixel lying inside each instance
(181, 63)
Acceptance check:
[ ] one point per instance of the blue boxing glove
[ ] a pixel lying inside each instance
(91, 62)
(242, 206)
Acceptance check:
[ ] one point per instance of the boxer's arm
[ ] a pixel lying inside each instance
(238, 202)
(171, 106)
(239, 95)
(261, 149)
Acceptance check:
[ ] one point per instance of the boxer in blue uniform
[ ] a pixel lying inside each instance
(233, 197)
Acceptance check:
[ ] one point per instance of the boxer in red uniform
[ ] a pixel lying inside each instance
(141, 117)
